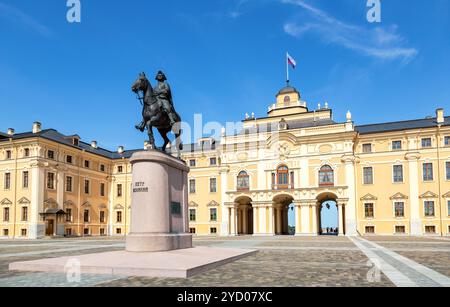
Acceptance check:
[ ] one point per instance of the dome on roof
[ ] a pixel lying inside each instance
(288, 90)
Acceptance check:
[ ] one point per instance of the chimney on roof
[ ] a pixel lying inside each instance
(120, 149)
(94, 144)
(11, 131)
(349, 117)
(440, 116)
(37, 127)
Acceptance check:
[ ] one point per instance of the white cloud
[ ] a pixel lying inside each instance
(17, 16)
(379, 42)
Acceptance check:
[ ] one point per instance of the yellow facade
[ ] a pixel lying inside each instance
(386, 179)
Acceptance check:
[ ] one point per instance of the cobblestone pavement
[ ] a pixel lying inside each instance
(281, 261)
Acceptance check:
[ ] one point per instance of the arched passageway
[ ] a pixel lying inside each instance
(282, 205)
(244, 211)
(330, 215)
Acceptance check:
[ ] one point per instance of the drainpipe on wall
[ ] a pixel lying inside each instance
(438, 136)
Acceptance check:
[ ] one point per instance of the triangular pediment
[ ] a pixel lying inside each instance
(193, 204)
(213, 204)
(369, 197)
(86, 204)
(6, 202)
(399, 196)
(118, 207)
(428, 194)
(50, 201)
(102, 206)
(24, 201)
(68, 203)
(446, 195)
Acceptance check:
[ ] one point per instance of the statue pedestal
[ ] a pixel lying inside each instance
(159, 203)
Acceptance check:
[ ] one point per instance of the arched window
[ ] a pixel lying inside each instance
(326, 176)
(243, 181)
(283, 177)
(287, 100)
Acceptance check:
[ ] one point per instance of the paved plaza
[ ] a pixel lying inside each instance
(280, 261)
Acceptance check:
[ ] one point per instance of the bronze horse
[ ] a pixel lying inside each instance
(154, 116)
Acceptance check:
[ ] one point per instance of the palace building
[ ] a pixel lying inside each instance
(383, 179)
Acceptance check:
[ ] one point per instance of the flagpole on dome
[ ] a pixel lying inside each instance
(287, 68)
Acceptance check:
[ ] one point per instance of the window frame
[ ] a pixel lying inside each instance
(69, 179)
(243, 181)
(403, 209)
(367, 217)
(25, 180)
(395, 148)
(426, 172)
(425, 145)
(212, 187)
(394, 177)
(326, 169)
(365, 146)
(192, 186)
(213, 217)
(192, 215)
(53, 181)
(426, 212)
(372, 177)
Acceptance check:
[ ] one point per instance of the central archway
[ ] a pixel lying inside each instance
(244, 212)
(328, 214)
(282, 205)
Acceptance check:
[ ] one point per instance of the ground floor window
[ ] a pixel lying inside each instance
(370, 229)
(86, 231)
(192, 230)
(192, 215)
(368, 210)
(23, 232)
(400, 229)
(430, 229)
(119, 231)
(399, 209)
(5, 232)
(68, 232)
(102, 231)
(213, 230)
(429, 208)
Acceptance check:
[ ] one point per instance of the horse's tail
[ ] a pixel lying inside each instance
(180, 145)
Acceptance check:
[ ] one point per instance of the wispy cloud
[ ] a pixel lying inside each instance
(379, 42)
(17, 16)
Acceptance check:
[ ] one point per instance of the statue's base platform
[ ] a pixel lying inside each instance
(182, 263)
(157, 242)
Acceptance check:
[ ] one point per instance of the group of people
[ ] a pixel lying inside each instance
(331, 230)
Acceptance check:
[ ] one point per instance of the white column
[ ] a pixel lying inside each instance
(314, 220)
(37, 227)
(279, 228)
(255, 220)
(298, 228)
(350, 209)
(271, 221)
(224, 229)
(341, 219)
(305, 220)
(233, 221)
(60, 189)
(245, 221)
(416, 222)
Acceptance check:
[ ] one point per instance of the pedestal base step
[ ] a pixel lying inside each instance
(182, 263)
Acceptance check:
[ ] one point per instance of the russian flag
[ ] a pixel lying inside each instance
(291, 61)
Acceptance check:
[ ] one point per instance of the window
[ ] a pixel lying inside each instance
(429, 208)
(368, 175)
(370, 229)
(7, 181)
(86, 231)
(292, 179)
(400, 229)
(397, 145)
(274, 176)
(69, 159)
(102, 167)
(102, 231)
(120, 169)
(51, 181)
(243, 181)
(192, 215)
(213, 161)
(51, 154)
(398, 173)
(367, 148)
(447, 170)
(192, 231)
(69, 184)
(283, 176)
(192, 186)
(326, 176)
(448, 207)
(26, 152)
(119, 190)
(25, 179)
(428, 172)
(368, 210)
(8, 155)
(86, 186)
(69, 215)
(119, 217)
(5, 232)
(213, 230)
(430, 229)
(23, 232)
(24, 214)
(86, 216)
(5, 214)
(426, 143)
(213, 214)
(213, 185)
(447, 141)
(399, 208)
(87, 164)
(102, 217)
(118, 231)
(192, 163)
(102, 189)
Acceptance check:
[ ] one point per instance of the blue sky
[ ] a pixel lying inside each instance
(223, 58)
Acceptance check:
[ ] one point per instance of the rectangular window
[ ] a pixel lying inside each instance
(68, 232)
(447, 141)
(192, 163)
(367, 148)
(69, 184)
(86, 218)
(447, 170)
(23, 232)
(426, 143)
(192, 231)
(69, 215)
(429, 208)
(102, 231)
(399, 209)
(213, 230)
(192, 215)
(5, 214)
(51, 181)
(368, 210)
(273, 180)
(120, 169)
(119, 231)
(24, 214)
(368, 175)
(428, 172)
(26, 152)
(51, 154)
(400, 229)
(86, 231)
(398, 173)
(25, 179)
(213, 214)
(370, 229)
(119, 217)
(86, 186)
(102, 168)
(192, 186)
(8, 155)
(7, 181)
(69, 159)
(213, 185)
(448, 207)
(102, 189)
(430, 229)
(213, 161)
(397, 145)
(119, 190)
(102, 217)
(87, 164)
(5, 232)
